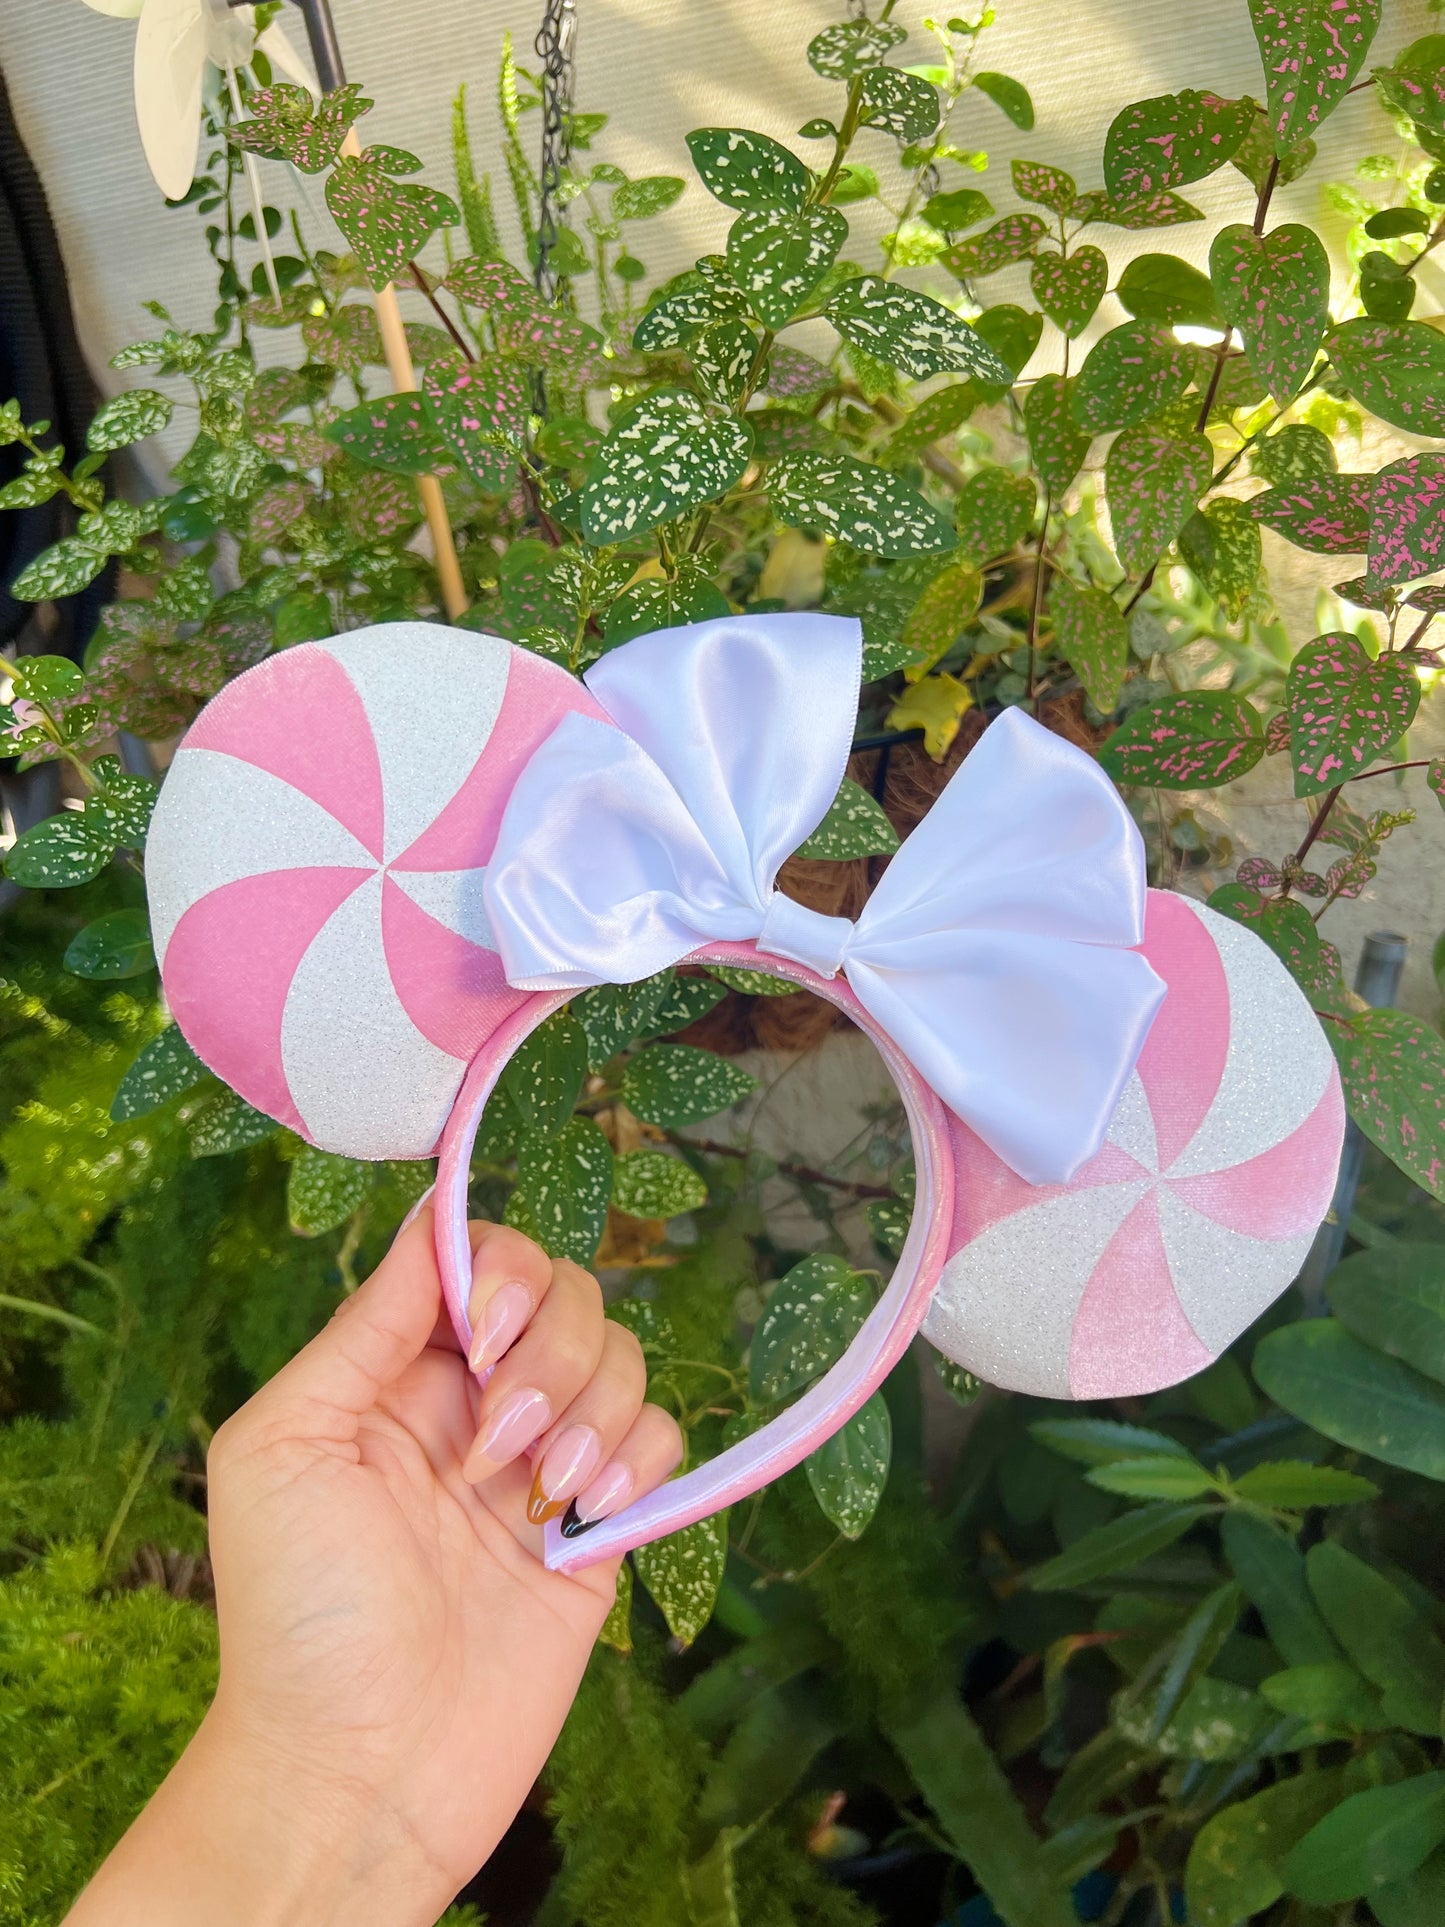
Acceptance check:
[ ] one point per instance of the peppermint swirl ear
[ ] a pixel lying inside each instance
(1218, 1166)
(315, 872)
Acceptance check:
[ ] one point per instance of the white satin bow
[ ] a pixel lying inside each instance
(997, 950)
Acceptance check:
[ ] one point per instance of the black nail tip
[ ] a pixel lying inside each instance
(572, 1526)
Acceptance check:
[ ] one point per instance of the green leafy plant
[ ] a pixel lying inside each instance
(1180, 1658)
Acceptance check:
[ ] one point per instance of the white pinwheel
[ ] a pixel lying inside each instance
(176, 43)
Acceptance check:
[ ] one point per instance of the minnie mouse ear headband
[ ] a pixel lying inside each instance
(379, 862)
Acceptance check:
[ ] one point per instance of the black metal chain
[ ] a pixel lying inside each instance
(556, 44)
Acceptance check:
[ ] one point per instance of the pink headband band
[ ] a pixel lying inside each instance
(379, 862)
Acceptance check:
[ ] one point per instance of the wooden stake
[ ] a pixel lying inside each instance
(403, 379)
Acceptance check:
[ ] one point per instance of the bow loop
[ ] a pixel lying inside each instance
(999, 949)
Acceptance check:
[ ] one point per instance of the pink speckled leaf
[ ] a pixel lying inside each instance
(1429, 600)
(1345, 708)
(1275, 288)
(1153, 479)
(1415, 85)
(1276, 734)
(1288, 929)
(347, 338)
(1007, 241)
(524, 326)
(1197, 741)
(1396, 369)
(1407, 521)
(1130, 374)
(277, 509)
(1154, 145)
(1056, 440)
(287, 124)
(1435, 781)
(1366, 593)
(1311, 52)
(1090, 631)
(481, 410)
(1156, 210)
(381, 506)
(1329, 515)
(1392, 1067)
(386, 224)
(1070, 290)
(394, 431)
(1049, 186)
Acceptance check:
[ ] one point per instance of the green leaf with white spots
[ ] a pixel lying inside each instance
(1395, 369)
(779, 255)
(683, 1572)
(545, 1074)
(61, 570)
(911, 331)
(837, 53)
(1196, 741)
(617, 1626)
(1221, 543)
(113, 946)
(1345, 709)
(1130, 374)
(752, 983)
(616, 1015)
(45, 679)
(666, 455)
(564, 1181)
(815, 1312)
(640, 200)
(676, 1084)
(1153, 478)
(386, 225)
(128, 418)
(396, 432)
(848, 1472)
(324, 1189)
(747, 170)
(901, 104)
(858, 503)
(228, 1123)
(854, 826)
(653, 1184)
(685, 1000)
(166, 1068)
(722, 358)
(1058, 444)
(1163, 143)
(59, 853)
(679, 318)
(1275, 288)
(1090, 632)
(1070, 289)
(663, 602)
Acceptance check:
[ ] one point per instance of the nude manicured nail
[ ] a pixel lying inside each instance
(608, 1491)
(510, 1429)
(503, 1320)
(571, 1460)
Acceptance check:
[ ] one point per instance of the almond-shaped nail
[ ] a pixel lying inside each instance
(503, 1320)
(570, 1461)
(510, 1429)
(607, 1492)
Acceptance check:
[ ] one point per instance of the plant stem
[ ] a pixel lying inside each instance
(1036, 608)
(53, 1312)
(1266, 193)
(1318, 823)
(422, 281)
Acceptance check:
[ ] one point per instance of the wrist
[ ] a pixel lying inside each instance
(240, 1833)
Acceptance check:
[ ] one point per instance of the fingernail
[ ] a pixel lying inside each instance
(572, 1526)
(607, 1492)
(570, 1461)
(502, 1322)
(520, 1417)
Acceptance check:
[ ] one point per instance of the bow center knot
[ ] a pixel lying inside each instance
(806, 936)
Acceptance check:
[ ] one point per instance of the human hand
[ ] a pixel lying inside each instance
(396, 1661)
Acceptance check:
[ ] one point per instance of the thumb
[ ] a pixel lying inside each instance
(371, 1339)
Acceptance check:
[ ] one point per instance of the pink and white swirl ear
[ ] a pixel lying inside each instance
(315, 871)
(1219, 1164)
